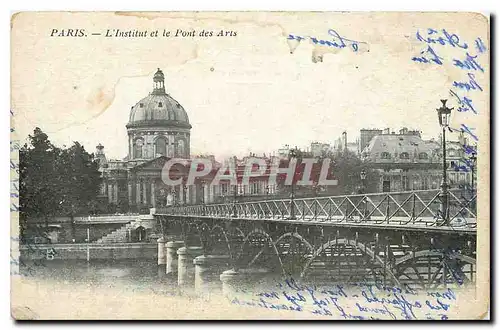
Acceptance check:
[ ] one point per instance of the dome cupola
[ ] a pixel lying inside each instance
(158, 125)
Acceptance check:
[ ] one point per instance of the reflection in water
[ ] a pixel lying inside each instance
(142, 275)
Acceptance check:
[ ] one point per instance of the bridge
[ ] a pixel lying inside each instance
(393, 238)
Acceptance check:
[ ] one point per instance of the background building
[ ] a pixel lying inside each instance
(158, 129)
(407, 162)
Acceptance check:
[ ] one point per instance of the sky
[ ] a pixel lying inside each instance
(254, 92)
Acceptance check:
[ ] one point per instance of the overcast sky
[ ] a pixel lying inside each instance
(243, 94)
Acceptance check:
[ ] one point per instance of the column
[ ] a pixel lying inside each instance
(129, 184)
(206, 189)
(207, 269)
(110, 193)
(138, 193)
(185, 266)
(153, 193)
(194, 196)
(171, 256)
(115, 191)
(188, 194)
(130, 147)
(162, 257)
(145, 191)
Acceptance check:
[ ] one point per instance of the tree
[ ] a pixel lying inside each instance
(38, 191)
(55, 181)
(79, 180)
(347, 168)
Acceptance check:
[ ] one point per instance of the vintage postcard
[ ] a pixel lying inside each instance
(250, 165)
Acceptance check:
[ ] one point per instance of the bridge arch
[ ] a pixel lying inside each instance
(294, 251)
(262, 233)
(297, 236)
(218, 229)
(365, 250)
(439, 267)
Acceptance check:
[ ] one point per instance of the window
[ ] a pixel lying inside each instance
(423, 155)
(138, 148)
(255, 188)
(181, 152)
(224, 189)
(141, 105)
(405, 183)
(404, 155)
(385, 155)
(161, 146)
(426, 184)
(160, 104)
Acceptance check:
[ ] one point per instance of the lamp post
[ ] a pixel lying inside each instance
(444, 121)
(473, 159)
(363, 180)
(292, 155)
(235, 191)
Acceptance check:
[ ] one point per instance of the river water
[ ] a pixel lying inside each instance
(138, 275)
(332, 300)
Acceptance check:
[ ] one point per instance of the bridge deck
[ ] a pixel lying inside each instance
(413, 210)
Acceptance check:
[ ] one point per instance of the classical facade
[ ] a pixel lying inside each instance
(158, 130)
(407, 162)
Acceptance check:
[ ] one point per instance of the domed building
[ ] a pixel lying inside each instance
(158, 129)
(158, 125)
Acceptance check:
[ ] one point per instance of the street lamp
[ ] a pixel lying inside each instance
(444, 121)
(473, 159)
(235, 191)
(292, 154)
(363, 180)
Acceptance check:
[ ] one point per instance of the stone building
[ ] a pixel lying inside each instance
(407, 162)
(158, 130)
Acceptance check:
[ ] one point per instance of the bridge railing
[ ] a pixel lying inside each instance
(422, 207)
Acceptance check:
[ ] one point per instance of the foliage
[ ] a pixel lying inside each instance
(55, 181)
(345, 167)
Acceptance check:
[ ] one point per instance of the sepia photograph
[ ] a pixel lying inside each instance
(250, 166)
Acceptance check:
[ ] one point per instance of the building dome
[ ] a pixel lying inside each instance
(158, 109)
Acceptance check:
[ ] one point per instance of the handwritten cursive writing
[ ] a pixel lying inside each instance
(356, 301)
(336, 41)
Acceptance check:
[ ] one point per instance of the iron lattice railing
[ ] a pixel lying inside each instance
(421, 207)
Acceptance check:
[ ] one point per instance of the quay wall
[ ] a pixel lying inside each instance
(116, 251)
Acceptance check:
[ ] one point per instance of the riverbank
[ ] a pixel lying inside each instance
(92, 251)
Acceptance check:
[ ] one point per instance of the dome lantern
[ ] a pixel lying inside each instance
(159, 83)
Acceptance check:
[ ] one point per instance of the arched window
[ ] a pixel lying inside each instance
(161, 146)
(180, 149)
(404, 155)
(423, 155)
(385, 155)
(138, 148)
